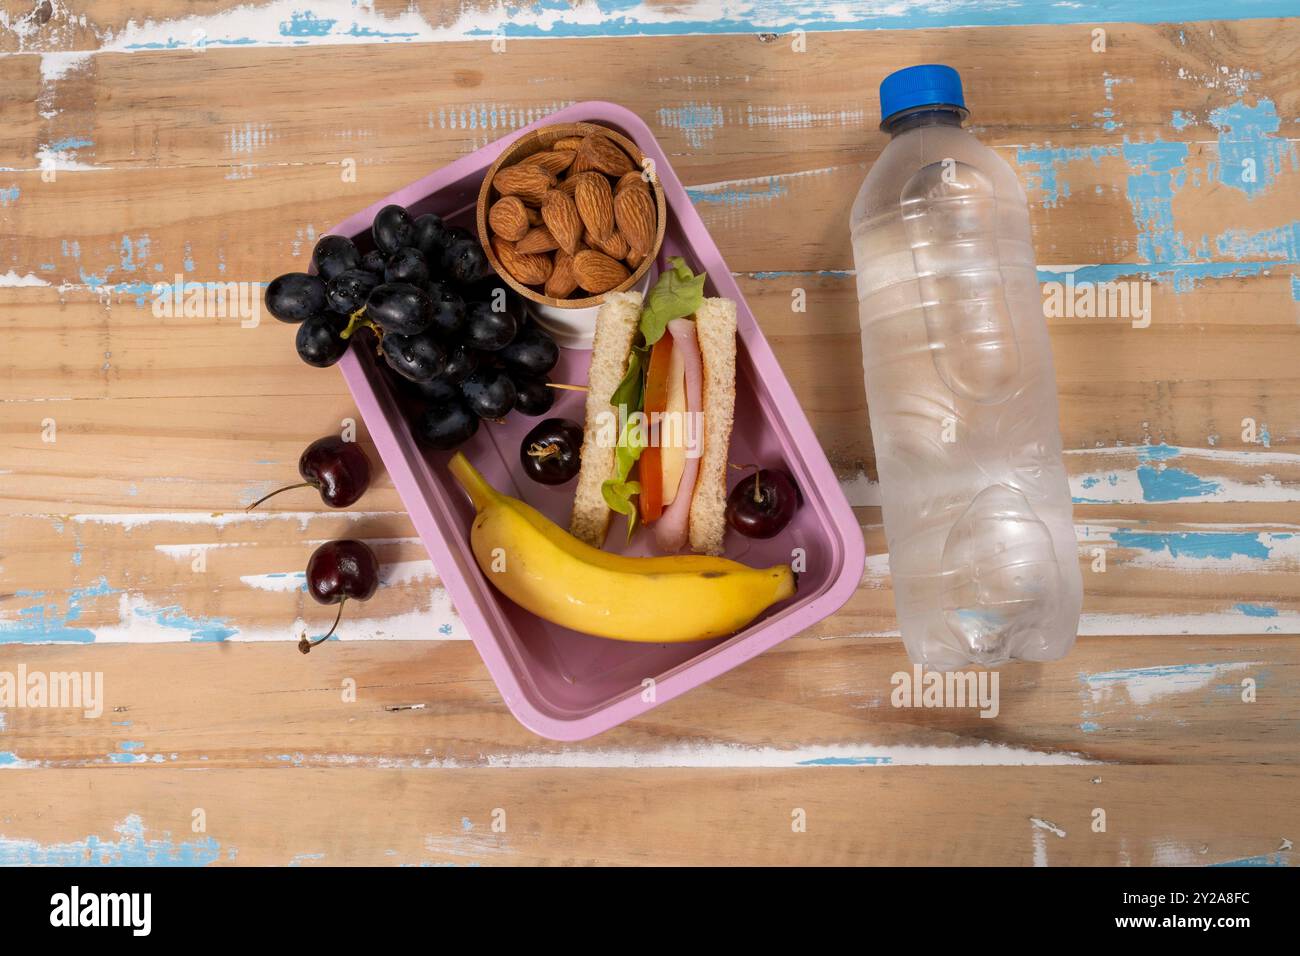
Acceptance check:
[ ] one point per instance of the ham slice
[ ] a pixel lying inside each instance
(672, 528)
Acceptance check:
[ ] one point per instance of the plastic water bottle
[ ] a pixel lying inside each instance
(961, 390)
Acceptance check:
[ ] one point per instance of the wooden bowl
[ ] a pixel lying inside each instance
(538, 141)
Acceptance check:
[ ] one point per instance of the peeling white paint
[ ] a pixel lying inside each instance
(721, 755)
(12, 280)
(1143, 685)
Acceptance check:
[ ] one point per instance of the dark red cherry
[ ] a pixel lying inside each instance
(552, 451)
(762, 505)
(338, 469)
(339, 571)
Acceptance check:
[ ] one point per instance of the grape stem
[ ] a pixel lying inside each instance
(358, 320)
(305, 645)
(301, 484)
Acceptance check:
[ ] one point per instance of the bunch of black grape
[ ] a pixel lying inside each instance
(458, 338)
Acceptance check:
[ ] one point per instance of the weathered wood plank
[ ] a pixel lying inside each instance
(803, 133)
(1128, 699)
(865, 815)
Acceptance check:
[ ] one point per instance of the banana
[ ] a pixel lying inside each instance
(546, 570)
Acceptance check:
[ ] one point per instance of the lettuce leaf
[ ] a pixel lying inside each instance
(631, 389)
(618, 495)
(618, 491)
(677, 294)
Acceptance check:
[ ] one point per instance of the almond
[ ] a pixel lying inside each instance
(569, 184)
(538, 239)
(615, 246)
(600, 153)
(534, 216)
(525, 268)
(560, 213)
(597, 272)
(508, 218)
(563, 280)
(633, 260)
(555, 162)
(569, 143)
(633, 178)
(595, 203)
(527, 181)
(634, 211)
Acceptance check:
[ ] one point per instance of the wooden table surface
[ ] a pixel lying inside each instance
(146, 139)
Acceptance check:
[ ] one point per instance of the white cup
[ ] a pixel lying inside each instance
(575, 328)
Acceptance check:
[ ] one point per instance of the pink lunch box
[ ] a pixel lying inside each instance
(559, 683)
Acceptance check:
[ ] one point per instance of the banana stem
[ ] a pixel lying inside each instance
(475, 485)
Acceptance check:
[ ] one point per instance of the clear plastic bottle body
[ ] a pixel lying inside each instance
(962, 400)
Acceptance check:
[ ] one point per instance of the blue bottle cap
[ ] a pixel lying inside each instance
(931, 84)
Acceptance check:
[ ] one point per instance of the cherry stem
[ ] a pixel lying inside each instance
(301, 484)
(758, 485)
(305, 645)
(542, 452)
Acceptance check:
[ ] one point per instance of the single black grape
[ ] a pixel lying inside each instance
(464, 260)
(488, 330)
(450, 237)
(430, 234)
(436, 391)
(454, 233)
(295, 296)
(333, 255)
(407, 265)
(493, 290)
(531, 354)
(448, 309)
(461, 362)
(533, 396)
(349, 290)
(418, 357)
(445, 426)
(318, 340)
(400, 307)
(392, 229)
(489, 392)
(374, 261)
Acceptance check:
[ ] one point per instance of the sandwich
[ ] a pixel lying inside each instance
(661, 397)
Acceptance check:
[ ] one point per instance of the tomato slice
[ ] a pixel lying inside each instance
(650, 468)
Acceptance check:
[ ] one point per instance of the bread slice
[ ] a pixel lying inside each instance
(715, 327)
(616, 326)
